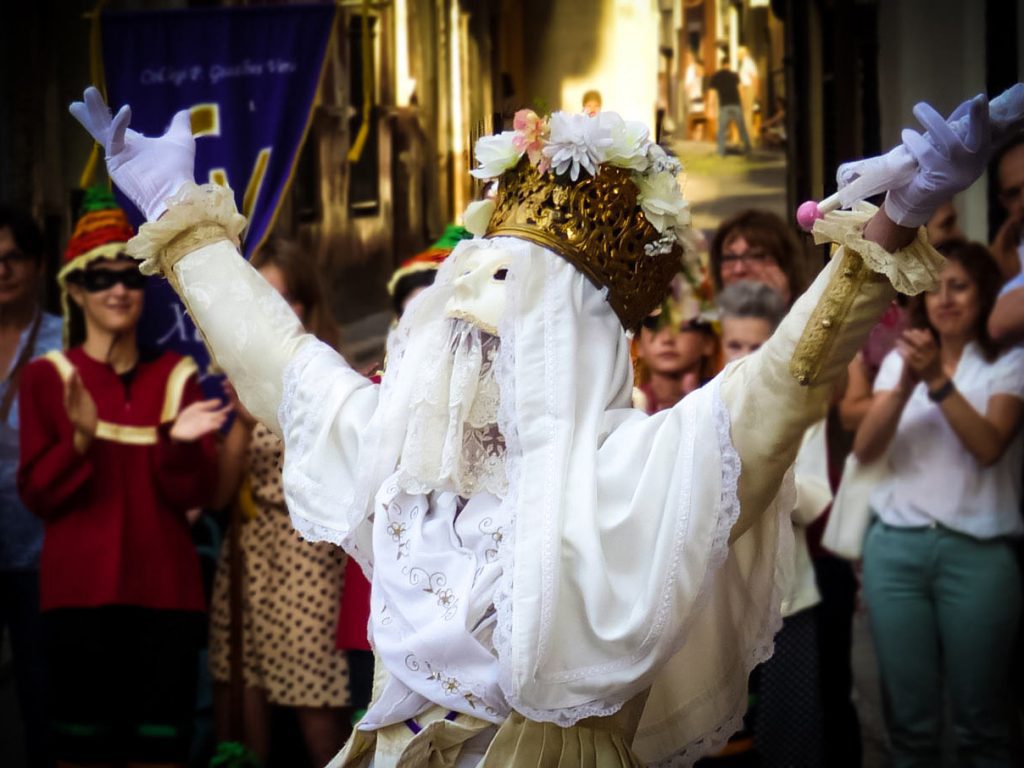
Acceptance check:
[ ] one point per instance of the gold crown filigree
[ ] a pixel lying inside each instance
(596, 224)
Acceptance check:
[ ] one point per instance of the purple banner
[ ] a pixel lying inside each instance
(249, 77)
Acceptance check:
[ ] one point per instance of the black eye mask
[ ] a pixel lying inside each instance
(96, 280)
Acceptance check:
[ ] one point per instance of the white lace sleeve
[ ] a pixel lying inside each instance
(325, 407)
(297, 386)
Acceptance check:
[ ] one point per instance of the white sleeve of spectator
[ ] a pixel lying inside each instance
(1008, 374)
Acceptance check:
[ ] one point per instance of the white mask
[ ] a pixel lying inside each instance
(479, 289)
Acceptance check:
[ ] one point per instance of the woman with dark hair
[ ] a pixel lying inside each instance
(758, 246)
(291, 588)
(940, 575)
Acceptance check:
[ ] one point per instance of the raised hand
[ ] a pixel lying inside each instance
(147, 170)
(199, 419)
(81, 410)
(952, 155)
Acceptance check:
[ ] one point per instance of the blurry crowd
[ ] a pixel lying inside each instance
(925, 438)
(114, 462)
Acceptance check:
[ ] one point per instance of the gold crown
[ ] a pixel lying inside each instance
(596, 225)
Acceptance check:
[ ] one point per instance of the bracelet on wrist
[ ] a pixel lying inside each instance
(941, 392)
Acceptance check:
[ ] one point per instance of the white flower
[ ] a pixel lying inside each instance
(660, 160)
(576, 141)
(629, 142)
(661, 199)
(684, 219)
(495, 155)
(478, 216)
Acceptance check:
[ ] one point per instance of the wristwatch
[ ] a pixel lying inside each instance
(940, 394)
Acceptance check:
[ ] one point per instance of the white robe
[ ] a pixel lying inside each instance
(613, 573)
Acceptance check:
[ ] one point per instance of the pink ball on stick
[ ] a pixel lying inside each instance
(807, 214)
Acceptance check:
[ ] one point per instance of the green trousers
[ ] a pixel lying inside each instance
(944, 608)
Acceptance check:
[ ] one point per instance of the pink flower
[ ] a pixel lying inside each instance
(530, 129)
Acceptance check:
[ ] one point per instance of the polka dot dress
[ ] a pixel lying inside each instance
(290, 596)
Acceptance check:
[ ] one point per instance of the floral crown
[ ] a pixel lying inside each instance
(595, 190)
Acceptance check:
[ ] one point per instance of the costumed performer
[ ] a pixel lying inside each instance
(117, 444)
(557, 579)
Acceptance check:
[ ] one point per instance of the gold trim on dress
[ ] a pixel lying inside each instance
(61, 363)
(176, 388)
(828, 316)
(125, 434)
(106, 430)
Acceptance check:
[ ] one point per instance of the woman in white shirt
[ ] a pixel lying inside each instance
(940, 576)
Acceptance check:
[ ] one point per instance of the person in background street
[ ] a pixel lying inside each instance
(291, 588)
(940, 574)
(726, 85)
(693, 90)
(750, 83)
(1008, 244)
(25, 332)
(117, 445)
(592, 102)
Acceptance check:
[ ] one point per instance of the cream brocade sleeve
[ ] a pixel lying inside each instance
(296, 385)
(251, 332)
(769, 408)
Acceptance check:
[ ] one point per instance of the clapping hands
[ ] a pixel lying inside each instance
(200, 419)
(921, 358)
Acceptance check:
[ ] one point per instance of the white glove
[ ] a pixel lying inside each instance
(147, 170)
(950, 157)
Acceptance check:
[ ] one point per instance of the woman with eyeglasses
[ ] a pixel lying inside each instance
(116, 445)
(758, 246)
(940, 572)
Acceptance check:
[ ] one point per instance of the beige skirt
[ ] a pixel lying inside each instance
(516, 743)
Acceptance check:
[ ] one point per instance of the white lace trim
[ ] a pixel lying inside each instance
(192, 204)
(503, 592)
(911, 270)
(298, 487)
(761, 651)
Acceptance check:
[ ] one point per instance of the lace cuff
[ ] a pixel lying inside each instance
(196, 216)
(911, 270)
